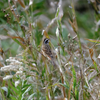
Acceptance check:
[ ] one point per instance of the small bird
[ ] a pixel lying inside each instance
(46, 49)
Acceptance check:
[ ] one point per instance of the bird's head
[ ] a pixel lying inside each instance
(46, 41)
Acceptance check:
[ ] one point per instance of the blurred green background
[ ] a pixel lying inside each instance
(41, 12)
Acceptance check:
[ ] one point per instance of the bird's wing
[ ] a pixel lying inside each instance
(47, 51)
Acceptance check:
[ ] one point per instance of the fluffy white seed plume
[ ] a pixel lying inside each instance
(8, 77)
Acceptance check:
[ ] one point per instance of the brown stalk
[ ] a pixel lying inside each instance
(69, 92)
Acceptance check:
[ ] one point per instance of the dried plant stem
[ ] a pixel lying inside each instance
(30, 48)
(82, 67)
(13, 11)
(70, 89)
(37, 88)
(75, 28)
(49, 93)
(62, 73)
(63, 88)
(51, 90)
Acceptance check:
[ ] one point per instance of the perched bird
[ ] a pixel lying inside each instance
(46, 49)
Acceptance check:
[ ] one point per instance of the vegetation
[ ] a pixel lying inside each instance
(73, 29)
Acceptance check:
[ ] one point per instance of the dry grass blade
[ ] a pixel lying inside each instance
(13, 12)
(69, 93)
(3, 37)
(45, 34)
(91, 52)
(21, 2)
(73, 74)
(92, 40)
(60, 15)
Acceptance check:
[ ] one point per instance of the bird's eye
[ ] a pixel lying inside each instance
(46, 41)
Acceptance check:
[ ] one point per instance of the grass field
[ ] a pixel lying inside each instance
(73, 27)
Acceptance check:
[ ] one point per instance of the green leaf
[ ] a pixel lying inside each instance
(28, 89)
(29, 98)
(64, 85)
(13, 98)
(74, 77)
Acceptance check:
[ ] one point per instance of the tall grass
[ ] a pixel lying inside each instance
(26, 74)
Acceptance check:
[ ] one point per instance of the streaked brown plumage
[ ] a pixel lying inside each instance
(46, 49)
